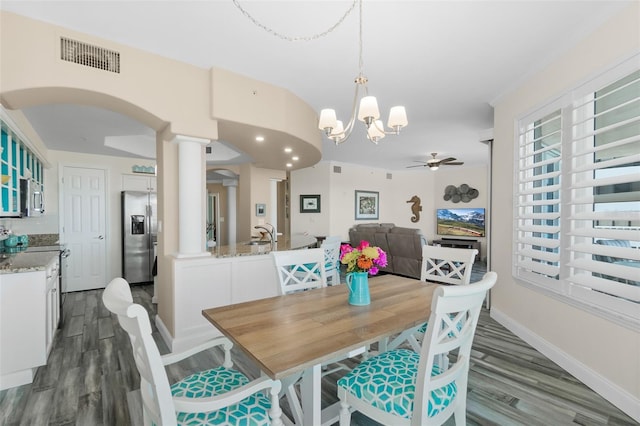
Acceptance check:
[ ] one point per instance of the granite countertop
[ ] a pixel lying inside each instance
(25, 261)
(260, 247)
(17, 259)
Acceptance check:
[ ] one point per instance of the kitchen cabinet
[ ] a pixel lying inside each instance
(29, 313)
(52, 302)
(16, 162)
(138, 183)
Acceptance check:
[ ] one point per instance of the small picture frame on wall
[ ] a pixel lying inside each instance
(367, 205)
(261, 209)
(310, 204)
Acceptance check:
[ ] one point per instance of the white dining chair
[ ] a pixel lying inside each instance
(219, 395)
(300, 270)
(445, 265)
(333, 238)
(402, 387)
(331, 247)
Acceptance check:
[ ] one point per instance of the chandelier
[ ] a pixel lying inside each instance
(367, 113)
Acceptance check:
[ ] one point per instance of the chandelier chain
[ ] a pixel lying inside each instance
(303, 38)
(360, 60)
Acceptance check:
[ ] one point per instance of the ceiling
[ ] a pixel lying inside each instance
(445, 61)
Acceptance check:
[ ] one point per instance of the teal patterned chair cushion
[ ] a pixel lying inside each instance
(387, 382)
(251, 411)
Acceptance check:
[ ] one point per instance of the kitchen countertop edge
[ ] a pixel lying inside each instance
(26, 262)
(246, 249)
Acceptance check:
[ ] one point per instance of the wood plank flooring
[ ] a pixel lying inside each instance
(90, 378)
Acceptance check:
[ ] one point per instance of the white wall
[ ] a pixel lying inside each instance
(603, 354)
(311, 181)
(337, 191)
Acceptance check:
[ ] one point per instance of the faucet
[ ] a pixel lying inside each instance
(270, 232)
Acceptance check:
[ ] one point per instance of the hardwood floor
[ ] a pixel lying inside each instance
(90, 378)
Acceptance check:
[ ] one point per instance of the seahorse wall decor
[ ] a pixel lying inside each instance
(416, 208)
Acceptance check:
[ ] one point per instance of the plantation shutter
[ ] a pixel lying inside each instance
(604, 193)
(537, 209)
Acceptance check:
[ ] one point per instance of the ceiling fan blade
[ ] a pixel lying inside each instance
(418, 165)
(419, 161)
(453, 163)
(448, 160)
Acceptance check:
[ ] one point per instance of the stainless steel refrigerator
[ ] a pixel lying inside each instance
(139, 235)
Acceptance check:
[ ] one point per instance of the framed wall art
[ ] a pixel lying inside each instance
(367, 205)
(310, 204)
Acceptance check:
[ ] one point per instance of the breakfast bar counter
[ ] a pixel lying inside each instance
(264, 246)
(232, 274)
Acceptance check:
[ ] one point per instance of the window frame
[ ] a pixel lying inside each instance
(615, 308)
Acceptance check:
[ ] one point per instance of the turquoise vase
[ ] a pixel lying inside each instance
(358, 284)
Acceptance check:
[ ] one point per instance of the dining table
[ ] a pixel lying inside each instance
(296, 333)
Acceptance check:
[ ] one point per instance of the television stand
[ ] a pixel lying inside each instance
(450, 242)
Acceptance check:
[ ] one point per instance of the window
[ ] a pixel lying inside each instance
(577, 212)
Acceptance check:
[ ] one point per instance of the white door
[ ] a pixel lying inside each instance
(83, 213)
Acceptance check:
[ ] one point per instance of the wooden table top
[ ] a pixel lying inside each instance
(288, 334)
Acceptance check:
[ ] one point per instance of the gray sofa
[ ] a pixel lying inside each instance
(402, 245)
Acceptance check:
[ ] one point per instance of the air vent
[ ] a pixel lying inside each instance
(89, 55)
(389, 176)
(337, 169)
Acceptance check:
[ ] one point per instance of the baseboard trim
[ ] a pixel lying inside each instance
(17, 378)
(600, 384)
(196, 335)
(164, 333)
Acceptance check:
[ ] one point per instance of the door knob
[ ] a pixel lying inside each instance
(100, 237)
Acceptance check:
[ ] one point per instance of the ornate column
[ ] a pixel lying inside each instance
(273, 204)
(191, 196)
(231, 185)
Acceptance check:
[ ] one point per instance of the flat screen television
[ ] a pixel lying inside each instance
(464, 222)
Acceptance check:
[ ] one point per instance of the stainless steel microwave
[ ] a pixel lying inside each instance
(31, 198)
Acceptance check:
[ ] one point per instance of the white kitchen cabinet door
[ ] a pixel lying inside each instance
(22, 327)
(138, 183)
(53, 302)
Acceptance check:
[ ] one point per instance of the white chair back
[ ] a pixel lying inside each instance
(332, 260)
(154, 385)
(454, 316)
(300, 269)
(332, 239)
(447, 265)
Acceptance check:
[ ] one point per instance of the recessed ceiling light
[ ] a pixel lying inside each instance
(289, 165)
(259, 138)
(295, 158)
(288, 150)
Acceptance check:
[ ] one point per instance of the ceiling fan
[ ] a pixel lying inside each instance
(434, 163)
